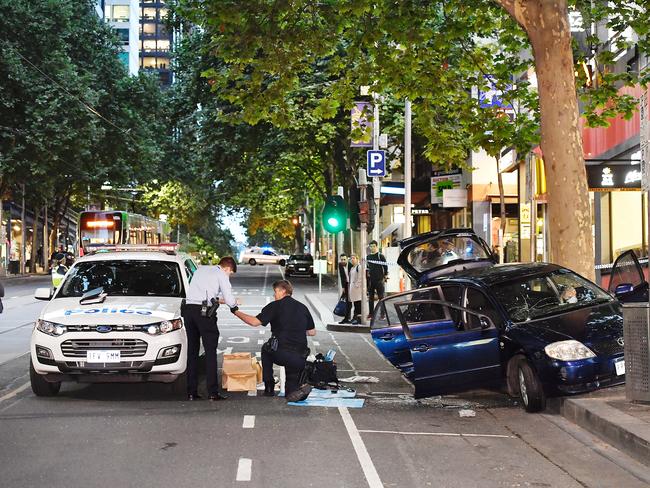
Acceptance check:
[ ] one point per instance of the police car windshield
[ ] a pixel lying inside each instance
(124, 278)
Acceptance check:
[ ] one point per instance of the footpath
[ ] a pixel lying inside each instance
(605, 413)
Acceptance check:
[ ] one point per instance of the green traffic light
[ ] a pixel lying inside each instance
(334, 215)
(333, 222)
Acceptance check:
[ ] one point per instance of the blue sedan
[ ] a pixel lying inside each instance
(541, 328)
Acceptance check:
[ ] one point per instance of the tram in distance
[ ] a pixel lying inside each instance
(102, 227)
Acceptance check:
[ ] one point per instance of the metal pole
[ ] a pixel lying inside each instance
(2, 243)
(376, 185)
(407, 169)
(23, 244)
(362, 252)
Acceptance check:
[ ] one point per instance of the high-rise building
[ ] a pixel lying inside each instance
(123, 16)
(140, 25)
(155, 39)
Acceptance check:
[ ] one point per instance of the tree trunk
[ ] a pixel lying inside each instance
(547, 25)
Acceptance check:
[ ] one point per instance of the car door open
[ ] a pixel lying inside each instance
(450, 356)
(627, 281)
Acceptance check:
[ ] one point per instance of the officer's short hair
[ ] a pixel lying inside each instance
(285, 285)
(228, 262)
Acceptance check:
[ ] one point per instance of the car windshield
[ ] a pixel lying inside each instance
(124, 278)
(540, 296)
(300, 257)
(445, 250)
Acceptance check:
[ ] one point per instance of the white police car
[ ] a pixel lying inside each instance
(116, 317)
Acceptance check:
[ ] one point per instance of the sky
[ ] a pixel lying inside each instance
(233, 221)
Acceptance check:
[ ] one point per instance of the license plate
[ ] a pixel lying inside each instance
(302, 269)
(103, 356)
(620, 367)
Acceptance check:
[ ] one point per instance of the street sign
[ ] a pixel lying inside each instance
(376, 163)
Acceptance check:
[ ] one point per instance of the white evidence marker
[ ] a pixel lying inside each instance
(249, 420)
(244, 469)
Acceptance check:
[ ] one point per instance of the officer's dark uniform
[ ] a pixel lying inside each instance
(290, 320)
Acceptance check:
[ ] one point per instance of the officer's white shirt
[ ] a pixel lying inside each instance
(213, 282)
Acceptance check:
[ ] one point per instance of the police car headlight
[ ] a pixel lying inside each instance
(568, 351)
(50, 328)
(164, 327)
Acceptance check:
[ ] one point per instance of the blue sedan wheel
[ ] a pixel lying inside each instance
(531, 391)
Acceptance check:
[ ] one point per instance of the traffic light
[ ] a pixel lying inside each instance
(335, 214)
(295, 220)
(356, 211)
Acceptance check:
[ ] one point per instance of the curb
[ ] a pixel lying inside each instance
(348, 328)
(319, 308)
(623, 431)
(12, 278)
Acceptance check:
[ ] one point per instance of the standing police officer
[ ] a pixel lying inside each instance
(210, 285)
(291, 323)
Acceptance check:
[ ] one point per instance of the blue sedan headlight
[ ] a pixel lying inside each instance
(570, 350)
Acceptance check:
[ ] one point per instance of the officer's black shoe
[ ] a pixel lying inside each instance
(269, 389)
(194, 396)
(218, 396)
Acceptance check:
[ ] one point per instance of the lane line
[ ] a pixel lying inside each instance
(249, 422)
(4, 331)
(343, 353)
(15, 392)
(438, 434)
(244, 469)
(369, 470)
(266, 277)
(16, 357)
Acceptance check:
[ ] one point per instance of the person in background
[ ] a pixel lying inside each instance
(344, 276)
(291, 323)
(355, 288)
(2, 294)
(377, 275)
(210, 284)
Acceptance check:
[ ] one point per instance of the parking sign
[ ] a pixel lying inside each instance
(376, 163)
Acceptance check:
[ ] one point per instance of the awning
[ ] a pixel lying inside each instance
(389, 230)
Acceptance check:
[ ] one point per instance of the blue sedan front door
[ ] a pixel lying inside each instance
(465, 357)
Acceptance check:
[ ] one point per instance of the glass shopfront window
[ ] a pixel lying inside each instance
(117, 13)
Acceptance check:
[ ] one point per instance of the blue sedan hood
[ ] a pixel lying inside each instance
(599, 327)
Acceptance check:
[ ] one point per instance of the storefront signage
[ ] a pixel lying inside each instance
(444, 181)
(614, 177)
(454, 198)
(524, 213)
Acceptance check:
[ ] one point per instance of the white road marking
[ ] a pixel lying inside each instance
(343, 352)
(315, 343)
(252, 393)
(260, 342)
(244, 469)
(227, 350)
(283, 378)
(15, 392)
(372, 477)
(263, 331)
(364, 371)
(438, 434)
(266, 277)
(238, 340)
(249, 421)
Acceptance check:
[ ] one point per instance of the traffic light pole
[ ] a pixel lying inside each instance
(363, 244)
(376, 184)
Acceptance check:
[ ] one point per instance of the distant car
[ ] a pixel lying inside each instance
(540, 328)
(115, 318)
(300, 265)
(260, 255)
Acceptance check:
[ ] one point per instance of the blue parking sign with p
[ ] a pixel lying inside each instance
(376, 163)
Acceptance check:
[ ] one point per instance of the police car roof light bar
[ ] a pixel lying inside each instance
(168, 248)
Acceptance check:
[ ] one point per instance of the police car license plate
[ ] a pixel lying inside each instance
(103, 356)
(620, 367)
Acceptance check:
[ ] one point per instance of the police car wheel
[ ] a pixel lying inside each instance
(40, 386)
(252, 262)
(531, 391)
(179, 385)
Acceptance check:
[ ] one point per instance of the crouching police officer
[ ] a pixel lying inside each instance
(210, 285)
(291, 323)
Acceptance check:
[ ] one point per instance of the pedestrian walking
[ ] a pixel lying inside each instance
(356, 286)
(210, 286)
(2, 294)
(344, 276)
(377, 275)
(291, 323)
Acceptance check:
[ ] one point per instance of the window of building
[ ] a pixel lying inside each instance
(162, 13)
(148, 29)
(149, 63)
(163, 45)
(117, 13)
(149, 45)
(123, 34)
(124, 57)
(149, 13)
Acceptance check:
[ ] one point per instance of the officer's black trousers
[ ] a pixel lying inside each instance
(201, 328)
(293, 362)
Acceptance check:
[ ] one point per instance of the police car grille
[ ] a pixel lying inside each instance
(93, 328)
(77, 348)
